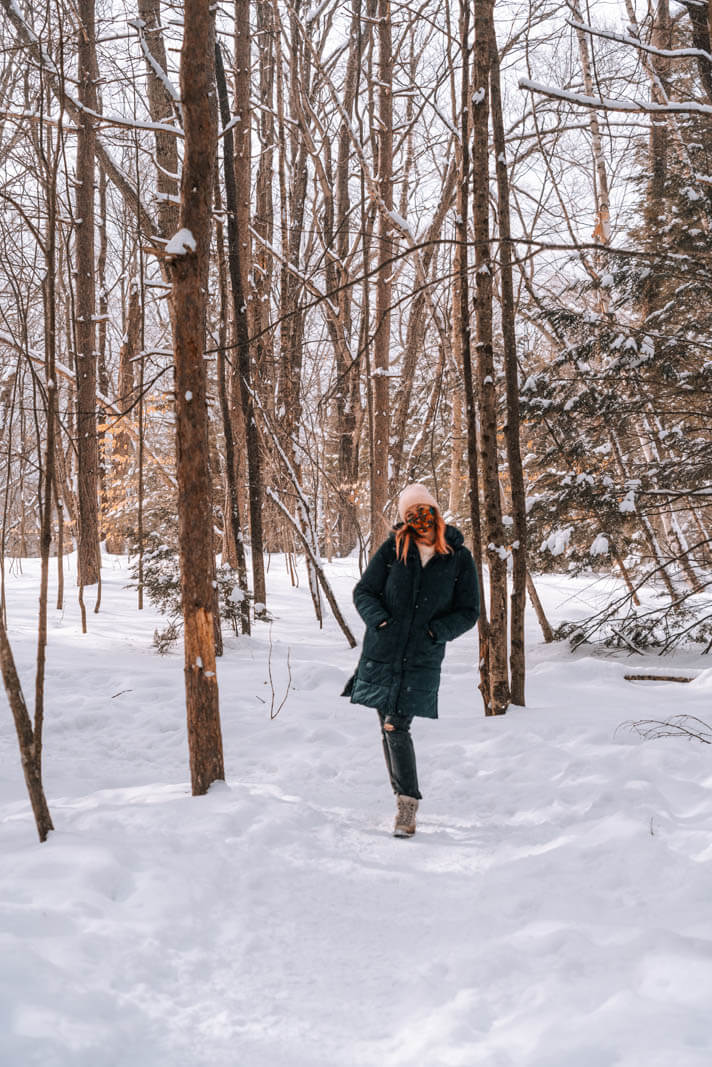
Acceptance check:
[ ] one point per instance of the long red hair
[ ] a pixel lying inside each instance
(405, 535)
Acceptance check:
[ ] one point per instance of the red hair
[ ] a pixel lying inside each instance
(404, 536)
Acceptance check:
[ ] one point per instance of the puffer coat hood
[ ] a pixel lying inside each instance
(399, 668)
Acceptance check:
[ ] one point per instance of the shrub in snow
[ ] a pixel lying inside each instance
(161, 582)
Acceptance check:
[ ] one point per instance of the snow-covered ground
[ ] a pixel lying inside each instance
(553, 909)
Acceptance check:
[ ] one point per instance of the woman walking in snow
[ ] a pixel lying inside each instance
(419, 591)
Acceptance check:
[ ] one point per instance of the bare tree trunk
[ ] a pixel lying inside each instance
(539, 609)
(102, 320)
(382, 331)
(189, 274)
(30, 763)
(50, 167)
(415, 333)
(162, 106)
(231, 513)
(264, 206)
(498, 697)
(648, 531)
(457, 451)
(122, 449)
(345, 408)
(242, 134)
(511, 377)
(461, 310)
(88, 563)
(602, 231)
(242, 340)
(60, 547)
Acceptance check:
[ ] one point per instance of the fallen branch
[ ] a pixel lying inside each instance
(657, 678)
(688, 726)
(318, 569)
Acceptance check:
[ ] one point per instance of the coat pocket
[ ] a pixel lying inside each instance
(380, 643)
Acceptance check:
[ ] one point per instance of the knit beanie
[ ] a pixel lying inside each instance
(413, 494)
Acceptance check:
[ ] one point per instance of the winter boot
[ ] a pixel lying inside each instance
(405, 816)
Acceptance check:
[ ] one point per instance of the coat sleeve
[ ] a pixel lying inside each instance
(466, 602)
(368, 593)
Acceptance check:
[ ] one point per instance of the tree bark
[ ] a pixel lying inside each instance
(50, 167)
(161, 106)
(382, 331)
(231, 511)
(346, 398)
(88, 562)
(461, 317)
(30, 764)
(511, 378)
(189, 275)
(122, 450)
(498, 697)
(242, 341)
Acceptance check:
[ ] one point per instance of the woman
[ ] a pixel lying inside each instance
(419, 591)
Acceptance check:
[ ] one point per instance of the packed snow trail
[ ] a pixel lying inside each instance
(552, 909)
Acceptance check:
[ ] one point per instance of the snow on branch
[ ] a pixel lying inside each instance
(312, 14)
(635, 42)
(605, 103)
(130, 124)
(139, 26)
(181, 243)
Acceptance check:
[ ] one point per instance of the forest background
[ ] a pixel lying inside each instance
(261, 264)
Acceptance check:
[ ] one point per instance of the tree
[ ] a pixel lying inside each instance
(88, 569)
(498, 695)
(188, 263)
(380, 429)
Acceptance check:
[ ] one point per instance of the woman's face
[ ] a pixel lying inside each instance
(421, 519)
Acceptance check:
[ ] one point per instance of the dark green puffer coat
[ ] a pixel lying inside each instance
(399, 669)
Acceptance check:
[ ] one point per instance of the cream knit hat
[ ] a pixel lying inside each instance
(413, 494)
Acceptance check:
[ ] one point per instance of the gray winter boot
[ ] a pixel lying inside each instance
(405, 816)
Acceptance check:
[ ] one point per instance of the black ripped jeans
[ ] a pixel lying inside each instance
(400, 754)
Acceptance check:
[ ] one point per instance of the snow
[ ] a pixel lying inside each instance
(139, 25)
(599, 546)
(180, 243)
(627, 504)
(635, 42)
(558, 541)
(623, 104)
(553, 908)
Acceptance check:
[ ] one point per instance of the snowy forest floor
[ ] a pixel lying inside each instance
(552, 910)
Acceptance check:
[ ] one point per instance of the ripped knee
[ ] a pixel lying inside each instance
(388, 726)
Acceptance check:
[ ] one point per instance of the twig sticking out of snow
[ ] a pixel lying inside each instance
(272, 713)
(688, 726)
